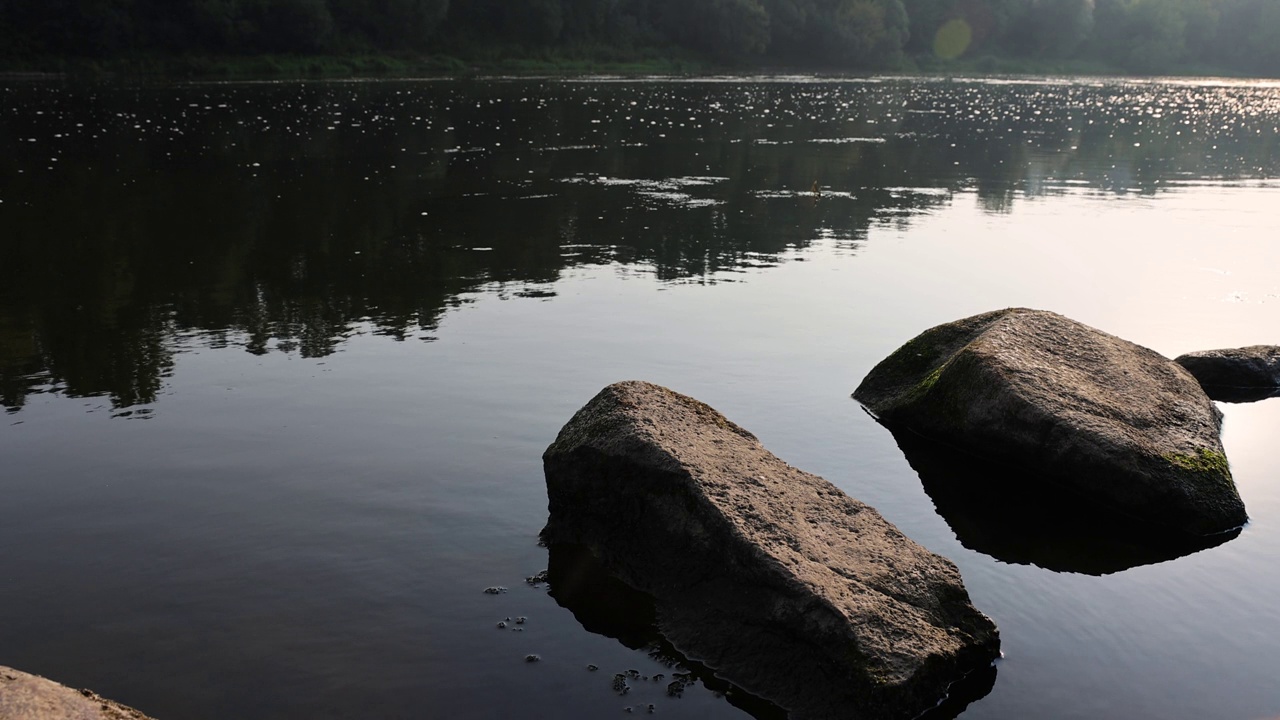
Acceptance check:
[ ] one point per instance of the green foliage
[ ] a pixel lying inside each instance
(1157, 32)
(1053, 28)
(389, 24)
(726, 28)
(1149, 36)
(848, 33)
(287, 25)
(926, 18)
(1264, 40)
(867, 32)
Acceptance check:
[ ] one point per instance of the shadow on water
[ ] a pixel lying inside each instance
(1015, 517)
(607, 606)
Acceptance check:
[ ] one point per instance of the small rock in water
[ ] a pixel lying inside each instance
(593, 668)
(520, 620)
(633, 674)
(620, 684)
(501, 624)
(650, 708)
(537, 579)
(532, 658)
(1257, 366)
(679, 682)
(626, 709)
(495, 590)
(659, 677)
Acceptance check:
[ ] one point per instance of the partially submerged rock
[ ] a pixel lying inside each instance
(769, 575)
(1005, 511)
(1111, 420)
(30, 697)
(1236, 374)
(607, 606)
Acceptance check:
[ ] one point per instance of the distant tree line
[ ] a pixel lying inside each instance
(1135, 35)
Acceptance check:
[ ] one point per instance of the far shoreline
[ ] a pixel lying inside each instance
(649, 63)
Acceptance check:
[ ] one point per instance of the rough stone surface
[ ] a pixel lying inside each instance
(30, 697)
(1109, 419)
(769, 575)
(1257, 366)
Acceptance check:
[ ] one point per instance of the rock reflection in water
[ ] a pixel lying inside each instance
(1016, 517)
(607, 606)
(1228, 394)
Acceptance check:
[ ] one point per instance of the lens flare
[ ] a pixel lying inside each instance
(953, 39)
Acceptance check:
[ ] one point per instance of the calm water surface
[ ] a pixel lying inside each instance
(278, 363)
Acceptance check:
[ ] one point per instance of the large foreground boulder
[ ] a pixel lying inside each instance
(770, 576)
(1111, 420)
(30, 697)
(1236, 374)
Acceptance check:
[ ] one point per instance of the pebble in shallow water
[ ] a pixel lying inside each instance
(679, 682)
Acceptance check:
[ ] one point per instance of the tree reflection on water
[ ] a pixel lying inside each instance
(139, 220)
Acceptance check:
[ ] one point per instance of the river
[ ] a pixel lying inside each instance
(278, 362)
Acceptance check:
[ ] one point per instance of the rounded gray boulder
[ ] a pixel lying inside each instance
(1224, 374)
(1113, 421)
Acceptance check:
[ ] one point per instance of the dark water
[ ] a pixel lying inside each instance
(279, 362)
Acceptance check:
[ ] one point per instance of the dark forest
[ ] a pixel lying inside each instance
(1143, 36)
